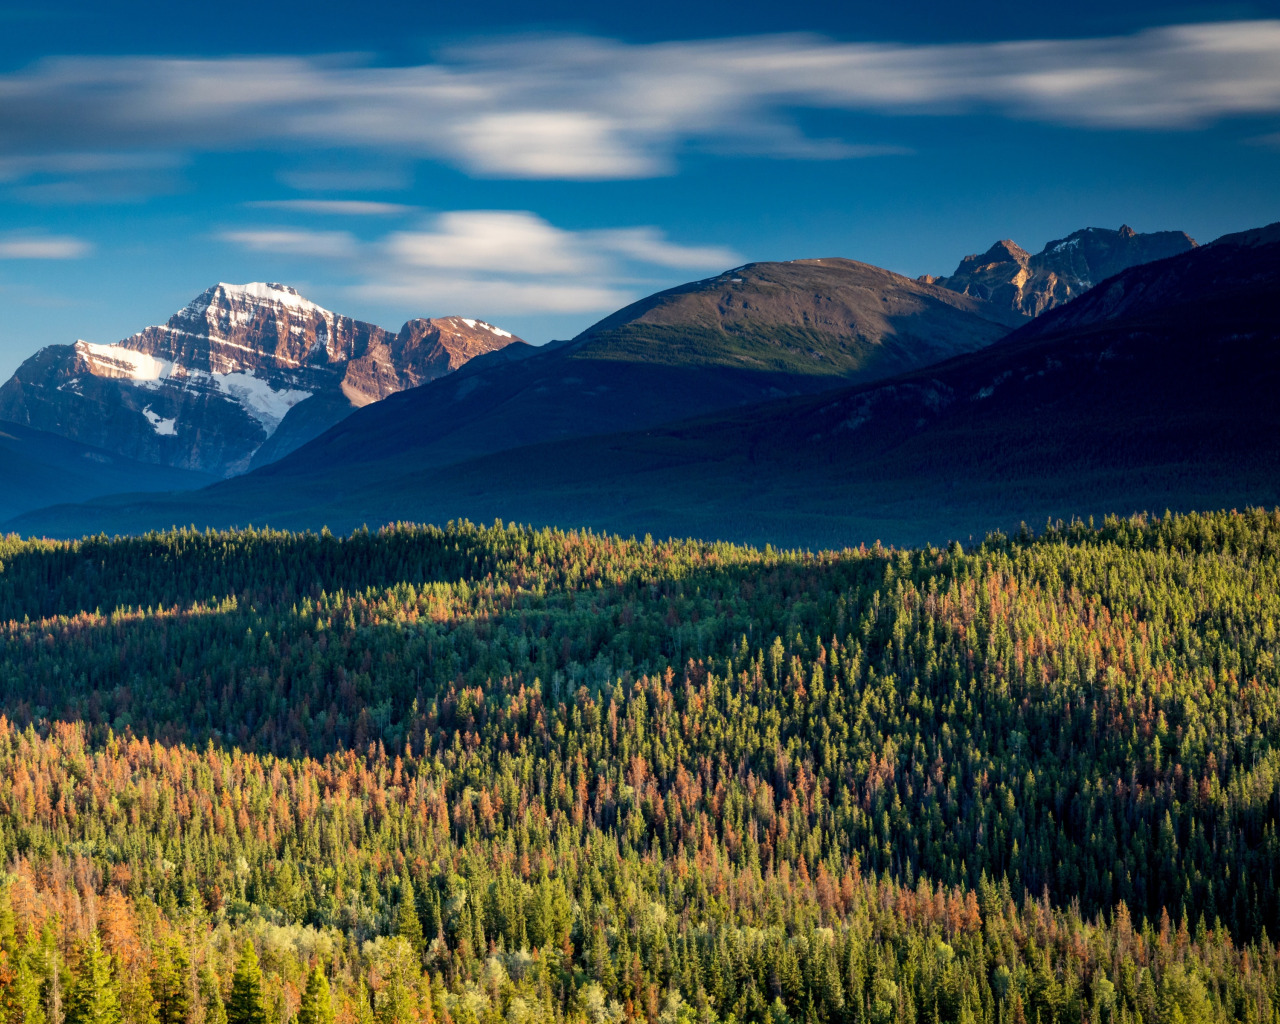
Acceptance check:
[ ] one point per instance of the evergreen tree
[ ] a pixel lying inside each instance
(93, 998)
(25, 1004)
(408, 924)
(317, 1003)
(169, 983)
(8, 929)
(211, 997)
(246, 1005)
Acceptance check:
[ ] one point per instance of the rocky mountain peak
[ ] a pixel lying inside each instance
(1003, 251)
(1007, 275)
(237, 366)
(254, 293)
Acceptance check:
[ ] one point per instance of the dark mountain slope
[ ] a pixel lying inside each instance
(38, 468)
(763, 331)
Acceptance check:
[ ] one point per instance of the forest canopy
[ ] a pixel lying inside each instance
(470, 774)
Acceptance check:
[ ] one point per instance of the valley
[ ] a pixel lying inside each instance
(871, 750)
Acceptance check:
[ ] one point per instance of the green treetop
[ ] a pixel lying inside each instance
(317, 1004)
(246, 1005)
(93, 998)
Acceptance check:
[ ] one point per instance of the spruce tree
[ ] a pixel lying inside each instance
(317, 1003)
(26, 1004)
(93, 998)
(169, 983)
(214, 1011)
(246, 1005)
(8, 928)
(409, 925)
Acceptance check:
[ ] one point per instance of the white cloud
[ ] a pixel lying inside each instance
(296, 242)
(19, 167)
(496, 261)
(457, 295)
(496, 241)
(336, 207)
(43, 247)
(589, 108)
(649, 246)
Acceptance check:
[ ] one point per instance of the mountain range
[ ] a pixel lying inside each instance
(241, 375)
(1010, 277)
(811, 402)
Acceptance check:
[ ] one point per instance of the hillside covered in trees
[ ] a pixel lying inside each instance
(467, 775)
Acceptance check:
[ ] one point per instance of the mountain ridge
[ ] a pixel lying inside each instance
(1009, 276)
(1094, 407)
(228, 372)
(622, 376)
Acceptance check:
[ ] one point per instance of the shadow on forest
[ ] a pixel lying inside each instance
(270, 663)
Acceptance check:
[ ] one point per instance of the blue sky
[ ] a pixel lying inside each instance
(540, 165)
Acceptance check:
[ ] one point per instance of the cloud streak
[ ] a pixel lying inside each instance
(333, 207)
(495, 261)
(590, 108)
(43, 247)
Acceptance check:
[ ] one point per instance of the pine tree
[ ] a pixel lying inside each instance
(317, 1003)
(214, 1011)
(93, 998)
(246, 1005)
(8, 927)
(409, 925)
(169, 983)
(26, 1005)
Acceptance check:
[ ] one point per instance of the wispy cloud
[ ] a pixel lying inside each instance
(584, 108)
(86, 177)
(293, 242)
(496, 261)
(381, 178)
(43, 247)
(335, 207)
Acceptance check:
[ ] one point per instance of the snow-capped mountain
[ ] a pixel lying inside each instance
(241, 372)
(1009, 276)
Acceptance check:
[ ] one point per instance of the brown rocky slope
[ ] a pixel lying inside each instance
(240, 372)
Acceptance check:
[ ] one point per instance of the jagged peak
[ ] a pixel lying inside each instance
(254, 293)
(477, 325)
(1004, 251)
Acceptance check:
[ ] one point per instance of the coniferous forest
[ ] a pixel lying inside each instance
(470, 775)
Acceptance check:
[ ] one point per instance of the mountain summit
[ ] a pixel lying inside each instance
(240, 372)
(1010, 277)
(828, 317)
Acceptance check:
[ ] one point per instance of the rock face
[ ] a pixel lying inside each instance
(1010, 277)
(241, 371)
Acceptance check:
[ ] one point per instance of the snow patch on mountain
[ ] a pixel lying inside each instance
(483, 325)
(116, 361)
(162, 426)
(255, 293)
(258, 398)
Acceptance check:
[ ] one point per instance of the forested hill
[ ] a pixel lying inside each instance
(490, 774)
